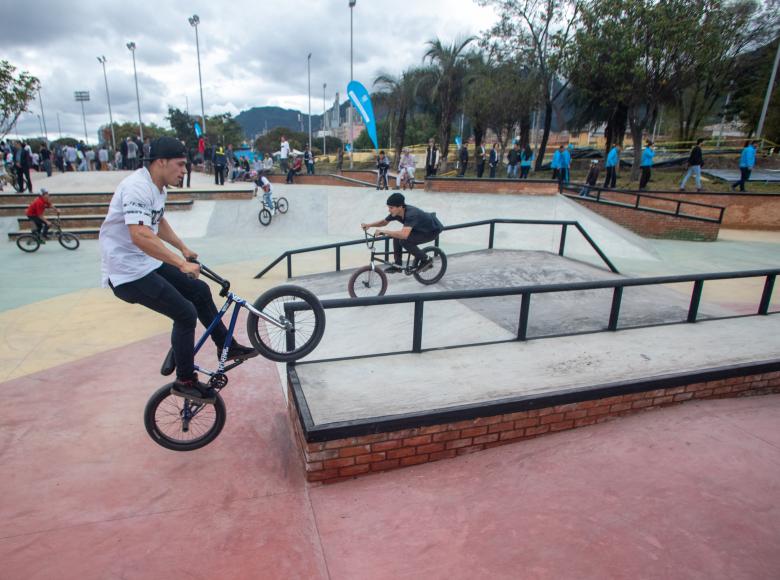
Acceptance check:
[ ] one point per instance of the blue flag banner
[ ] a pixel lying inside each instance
(197, 130)
(362, 102)
(457, 142)
(348, 147)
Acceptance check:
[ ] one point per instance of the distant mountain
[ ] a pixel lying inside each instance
(258, 119)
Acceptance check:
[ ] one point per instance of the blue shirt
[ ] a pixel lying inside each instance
(556, 160)
(526, 162)
(647, 157)
(565, 160)
(612, 158)
(748, 158)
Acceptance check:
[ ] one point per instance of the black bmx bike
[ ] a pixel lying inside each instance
(284, 324)
(371, 280)
(280, 204)
(30, 242)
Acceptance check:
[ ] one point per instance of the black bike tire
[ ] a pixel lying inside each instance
(264, 216)
(164, 441)
(356, 274)
(282, 205)
(309, 345)
(26, 237)
(442, 270)
(71, 238)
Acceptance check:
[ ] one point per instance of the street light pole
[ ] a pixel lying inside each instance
(102, 60)
(768, 96)
(308, 73)
(351, 78)
(81, 97)
(131, 48)
(324, 86)
(45, 131)
(194, 21)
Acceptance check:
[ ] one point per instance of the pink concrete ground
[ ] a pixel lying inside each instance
(684, 492)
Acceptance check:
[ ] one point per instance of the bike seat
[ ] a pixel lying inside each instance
(169, 364)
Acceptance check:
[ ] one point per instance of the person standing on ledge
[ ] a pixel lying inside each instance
(611, 166)
(431, 159)
(695, 162)
(646, 165)
(140, 269)
(746, 163)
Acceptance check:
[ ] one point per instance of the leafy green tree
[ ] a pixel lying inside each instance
(183, 126)
(752, 75)
(16, 92)
(444, 80)
(536, 32)
(225, 130)
(399, 96)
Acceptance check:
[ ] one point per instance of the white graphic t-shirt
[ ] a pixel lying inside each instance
(136, 201)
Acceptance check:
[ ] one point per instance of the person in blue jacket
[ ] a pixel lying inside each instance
(746, 162)
(647, 164)
(611, 166)
(555, 164)
(563, 172)
(526, 157)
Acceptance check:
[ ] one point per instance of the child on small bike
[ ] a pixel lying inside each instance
(382, 165)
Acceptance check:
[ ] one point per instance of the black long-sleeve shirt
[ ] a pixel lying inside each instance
(696, 157)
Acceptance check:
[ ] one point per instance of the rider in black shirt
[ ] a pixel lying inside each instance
(418, 227)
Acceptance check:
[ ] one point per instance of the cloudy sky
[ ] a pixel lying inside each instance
(252, 53)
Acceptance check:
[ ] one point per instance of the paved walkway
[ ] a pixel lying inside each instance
(688, 492)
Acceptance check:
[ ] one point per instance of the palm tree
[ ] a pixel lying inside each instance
(399, 94)
(445, 80)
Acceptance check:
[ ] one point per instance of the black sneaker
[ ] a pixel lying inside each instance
(193, 389)
(394, 269)
(239, 351)
(426, 265)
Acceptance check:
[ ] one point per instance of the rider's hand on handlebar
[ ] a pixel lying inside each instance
(364, 226)
(188, 254)
(190, 269)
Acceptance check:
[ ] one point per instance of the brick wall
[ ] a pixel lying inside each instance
(320, 180)
(751, 211)
(340, 459)
(464, 185)
(651, 224)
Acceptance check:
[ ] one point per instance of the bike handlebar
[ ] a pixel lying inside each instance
(211, 275)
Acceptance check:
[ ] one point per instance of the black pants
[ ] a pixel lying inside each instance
(611, 178)
(23, 174)
(555, 174)
(40, 226)
(291, 175)
(492, 171)
(743, 178)
(219, 174)
(182, 299)
(643, 181)
(410, 244)
(430, 170)
(463, 166)
(524, 169)
(480, 168)
(189, 173)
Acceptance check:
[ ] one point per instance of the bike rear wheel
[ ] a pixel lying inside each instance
(303, 328)
(367, 281)
(180, 424)
(264, 216)
(439, 266)
(28, 243)
(282, 205)
(69, 241)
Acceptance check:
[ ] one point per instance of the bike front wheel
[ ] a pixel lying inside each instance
(296, 327)
(181, 424)
(28, 243)
(264, 216)
(282, 205)
(367, 281)
(69, 241)
(433, 275)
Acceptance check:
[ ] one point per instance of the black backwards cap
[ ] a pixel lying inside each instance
(167, 148)
(396, 200)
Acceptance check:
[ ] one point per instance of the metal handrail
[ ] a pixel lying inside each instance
(639, 196)
(491, 237)
(617, 285)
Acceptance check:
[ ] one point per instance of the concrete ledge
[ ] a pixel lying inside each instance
(487, 185)
(337, 459)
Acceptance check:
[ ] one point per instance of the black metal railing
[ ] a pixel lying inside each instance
(640, 202)
(564, 224)
(526, 292)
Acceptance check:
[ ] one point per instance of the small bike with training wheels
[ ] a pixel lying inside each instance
(284, 324)
(372, 281)
(280, 205)
(32, 241)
